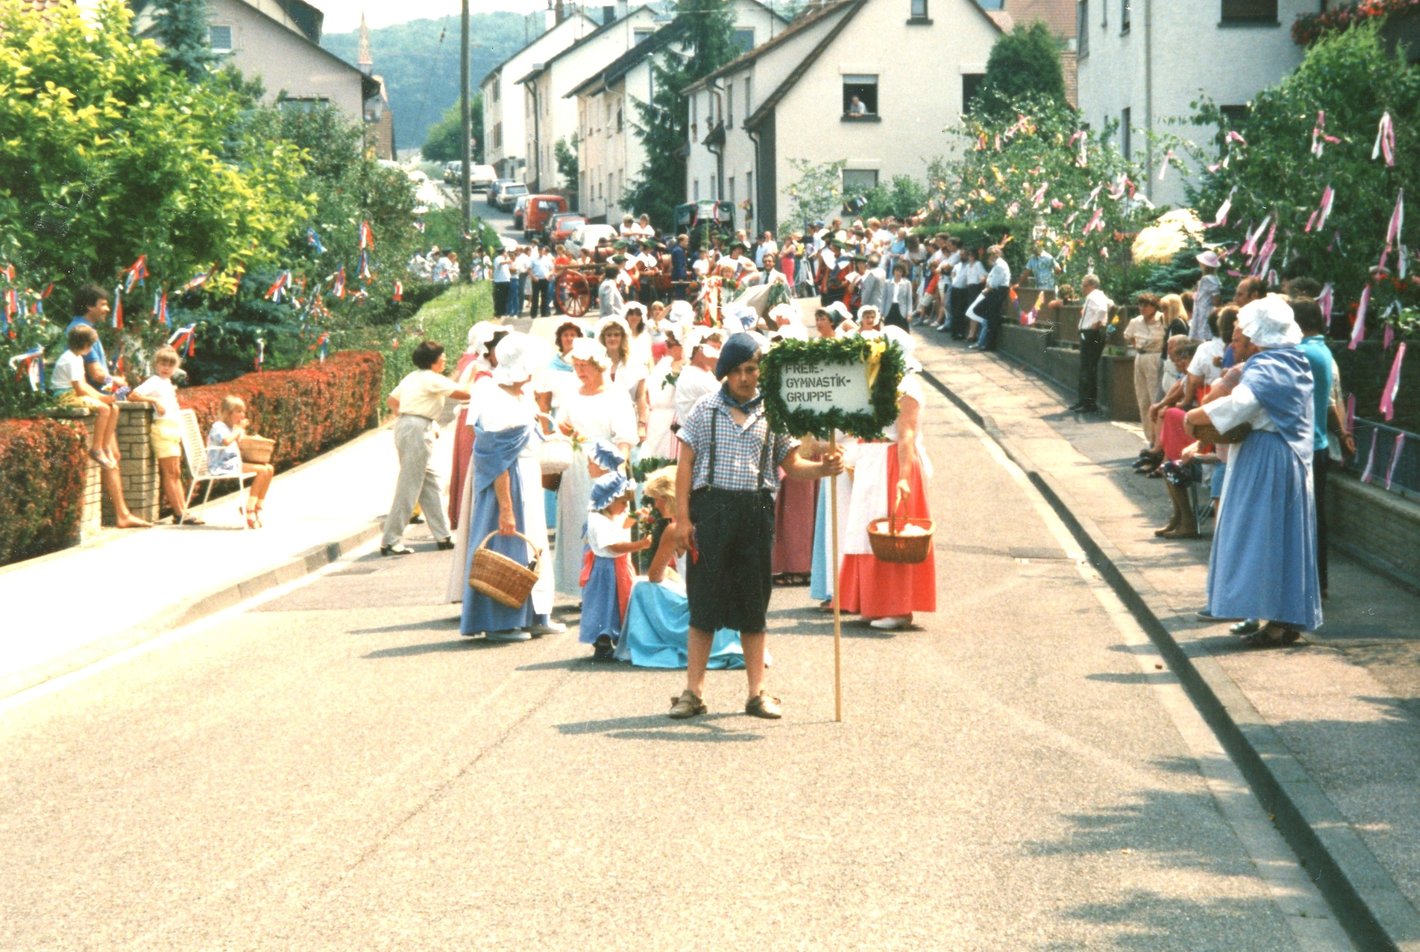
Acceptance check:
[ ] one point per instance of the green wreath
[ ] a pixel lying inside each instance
(841, 350)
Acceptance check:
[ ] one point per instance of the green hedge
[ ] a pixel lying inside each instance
(42, 467)
(306, 411)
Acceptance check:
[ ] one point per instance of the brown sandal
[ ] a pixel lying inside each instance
(1273, 636)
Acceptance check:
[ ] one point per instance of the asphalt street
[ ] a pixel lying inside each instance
(332, 765)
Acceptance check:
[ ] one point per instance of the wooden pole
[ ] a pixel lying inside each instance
(837, 581)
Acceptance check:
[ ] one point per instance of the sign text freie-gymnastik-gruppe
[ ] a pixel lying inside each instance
(809, 384)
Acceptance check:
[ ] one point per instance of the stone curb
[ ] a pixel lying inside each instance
(188, 610)
(1367, 903)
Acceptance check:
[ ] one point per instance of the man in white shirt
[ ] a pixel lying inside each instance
(1094, 322)
(998, 290)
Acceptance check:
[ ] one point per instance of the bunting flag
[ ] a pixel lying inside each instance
(30, 365)
(160, 308)
(1392, 232)
(364, 268)
(1323, 210)
(1039, 195)
(1385, 141)
(1319, 136)
(136, 273)
(337, 286)
(260, 353)
(398, 291)
(1350, 413)
(117, 317)
(1394, 459)
(273, 293)
(1370, 457)
(1235, 137)
(184, 340)
(197, 281)
(1096, 222)
(1358, 330)
(1221, 218)
(1392, 384)
(321, 346)
(9, 272)
(1324, 301)
(1169, 158)
(314, 241)
(1249, 247)
(367, 237)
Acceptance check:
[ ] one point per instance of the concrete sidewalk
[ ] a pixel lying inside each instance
(132, 585)
(1326, 731)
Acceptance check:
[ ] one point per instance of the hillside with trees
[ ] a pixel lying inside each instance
(419, 61)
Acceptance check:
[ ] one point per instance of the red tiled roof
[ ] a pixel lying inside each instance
(1059, 15)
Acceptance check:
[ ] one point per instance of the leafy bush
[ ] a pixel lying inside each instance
(307, 410)
(42, 467)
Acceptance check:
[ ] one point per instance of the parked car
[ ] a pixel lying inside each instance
(480, 177)
(538, 211)
(518, 207)
(452, 171)
(587, 236)
(561, 225)
(509, 194)
(496, 186)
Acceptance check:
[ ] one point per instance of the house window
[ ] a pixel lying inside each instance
(744, 39)
(695, 190)
(497, 135)
(732, 189)
(747, 109)
(638, 36)
(749, 192)
(1249, 11)
(1124, 11)
(863, 89)
(495, 89)
(1126, 144)
(970, 88)
(918, 10)
(730, 108)
(220, 38)
(694, 113)
(619, 121)
(1082, 29)
(1233, 118)
(857, 182)
(610, 188)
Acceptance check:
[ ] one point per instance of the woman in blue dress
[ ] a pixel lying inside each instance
(1263, 563)
(656, 629)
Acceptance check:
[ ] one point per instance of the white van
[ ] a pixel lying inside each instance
(480, 177)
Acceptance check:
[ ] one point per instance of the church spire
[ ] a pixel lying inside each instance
(365, 60)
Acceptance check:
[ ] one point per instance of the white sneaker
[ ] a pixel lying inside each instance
(514, 635)
(551, 628)
(891, 623)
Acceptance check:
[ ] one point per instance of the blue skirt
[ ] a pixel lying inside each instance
(1263, 563)
(657, 630)
(601, 612)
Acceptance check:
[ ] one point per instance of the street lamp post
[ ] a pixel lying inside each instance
(464, 106)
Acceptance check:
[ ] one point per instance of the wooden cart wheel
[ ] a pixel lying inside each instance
(574, 294)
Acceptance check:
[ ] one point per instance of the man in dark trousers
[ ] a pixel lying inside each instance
(726, 478)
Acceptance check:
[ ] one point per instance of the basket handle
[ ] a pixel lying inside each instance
(536, 552)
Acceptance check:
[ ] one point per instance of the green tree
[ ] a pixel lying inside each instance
(568, 165)
(443, 141)
(902, 198)
(1023, 62)
(181, 28)
(702, 43)
(1272, 174)
(815, 192)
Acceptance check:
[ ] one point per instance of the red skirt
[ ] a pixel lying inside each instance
(877, 589)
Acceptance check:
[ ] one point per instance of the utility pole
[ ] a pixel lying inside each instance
(467, 148)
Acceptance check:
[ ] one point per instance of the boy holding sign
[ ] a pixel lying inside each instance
(726, 478)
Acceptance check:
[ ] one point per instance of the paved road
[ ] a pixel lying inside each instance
(336, 767)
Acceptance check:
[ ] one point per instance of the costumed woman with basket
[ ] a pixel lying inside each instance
(888, 569)
(507, 597)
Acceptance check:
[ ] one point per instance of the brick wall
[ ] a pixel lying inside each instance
(137, 469)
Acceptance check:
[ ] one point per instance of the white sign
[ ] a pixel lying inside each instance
(823, 387)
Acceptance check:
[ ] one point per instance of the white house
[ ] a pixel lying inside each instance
(610, 153)
(1141, 62)
(910, 63)
(504, 108)
(549, 114)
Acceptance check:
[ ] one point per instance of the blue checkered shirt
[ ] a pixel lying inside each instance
(736, 453)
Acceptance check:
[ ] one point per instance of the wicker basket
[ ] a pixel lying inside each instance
(506, 581)
(256, 449)
(889, 545)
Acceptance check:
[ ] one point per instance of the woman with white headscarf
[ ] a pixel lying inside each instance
(474, 367)
(507, 493)
(1263, 563)
(890, 476)
(595, 411)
